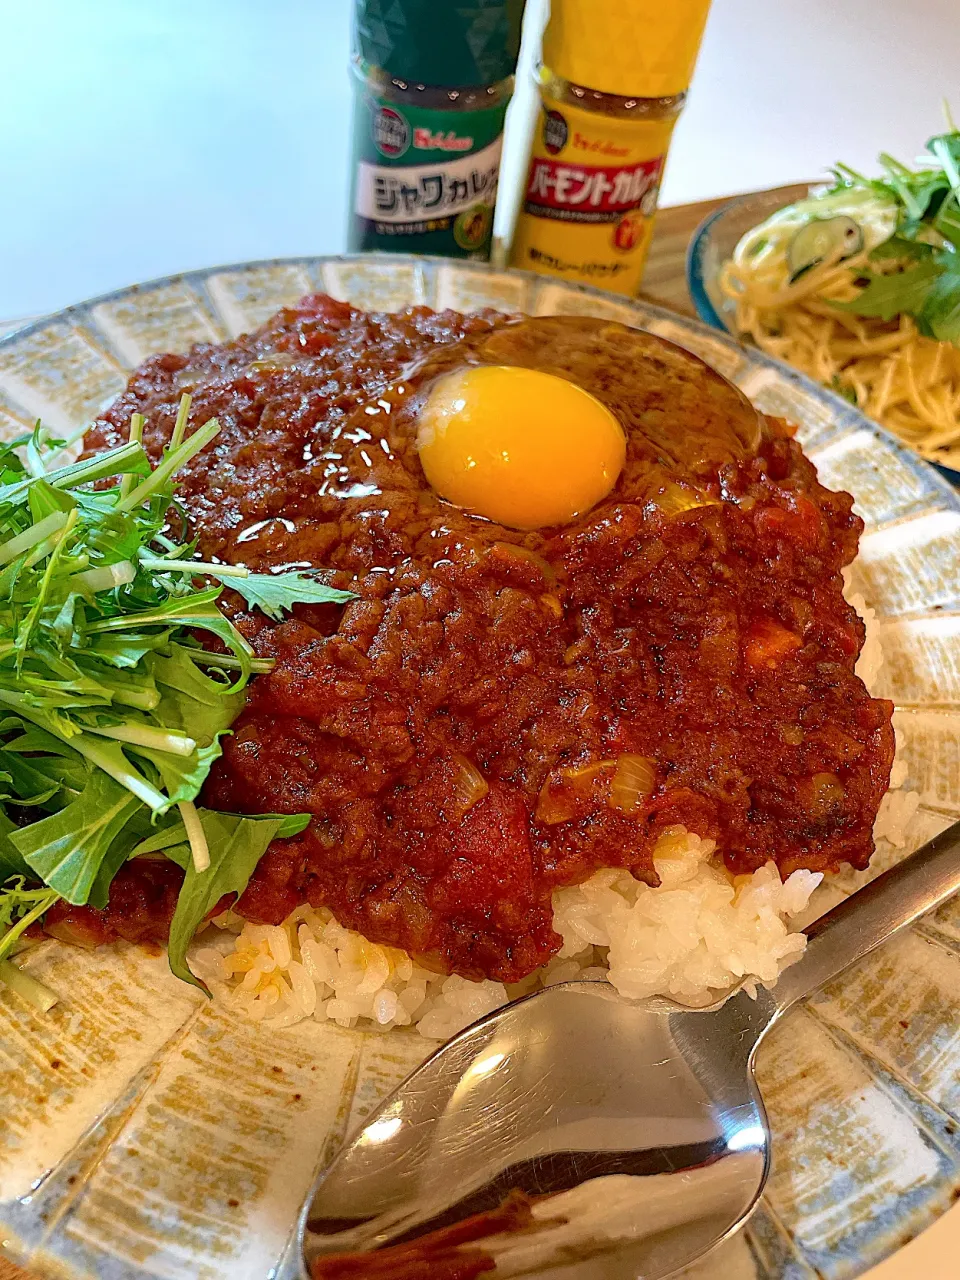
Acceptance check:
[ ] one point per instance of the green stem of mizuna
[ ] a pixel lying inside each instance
(29, 624)
(199, 567)
(174, 744)
(180, 426)
(106, 577)
(140, 699)
(14, 932)
(27, 987)
(196, 835)
(125, 774)
(136, 437)
(226, 661)
(37, 533)
(172, 463)
(33, 459)
(112, 463)
(41, 551)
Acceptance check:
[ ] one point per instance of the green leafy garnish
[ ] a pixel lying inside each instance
(236, 845)
(843, 389)
(112, 710)
(175, 833)
(21, 905)
(273, 594)
(924, 250)
(888, 296)
(67, 849)
(940, 317)
(276, 594)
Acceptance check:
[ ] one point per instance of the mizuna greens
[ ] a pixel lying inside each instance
(925, 244)
(111, 709)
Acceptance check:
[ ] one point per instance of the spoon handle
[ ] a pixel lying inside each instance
(873, 914)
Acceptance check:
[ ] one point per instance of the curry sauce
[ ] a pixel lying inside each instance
(501, 713)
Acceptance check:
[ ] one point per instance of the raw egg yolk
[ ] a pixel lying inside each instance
(522, 447)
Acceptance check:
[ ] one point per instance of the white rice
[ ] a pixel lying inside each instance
(701, 932)
(312, 967)
(871, 655)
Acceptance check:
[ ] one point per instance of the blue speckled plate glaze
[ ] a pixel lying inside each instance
(148, 1133)
(713, 243)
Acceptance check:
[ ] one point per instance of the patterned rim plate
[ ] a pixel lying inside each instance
(146, 1133)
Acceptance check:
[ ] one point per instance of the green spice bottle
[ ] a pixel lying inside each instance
(433, 81)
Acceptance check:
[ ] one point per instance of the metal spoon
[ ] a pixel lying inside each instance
(640, 1121)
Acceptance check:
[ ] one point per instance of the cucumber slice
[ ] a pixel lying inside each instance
(821, 238)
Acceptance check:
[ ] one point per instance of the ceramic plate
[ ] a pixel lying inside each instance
(146, 1132)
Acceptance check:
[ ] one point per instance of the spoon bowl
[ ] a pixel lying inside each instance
(635, 1129)
(622, 1114)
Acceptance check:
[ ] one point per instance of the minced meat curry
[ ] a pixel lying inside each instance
(499, 713)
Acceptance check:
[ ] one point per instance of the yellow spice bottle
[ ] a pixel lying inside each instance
(612, 83)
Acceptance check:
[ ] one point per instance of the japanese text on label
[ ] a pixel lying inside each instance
(588, 193)
(394, 194)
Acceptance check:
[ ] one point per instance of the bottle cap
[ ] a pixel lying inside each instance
(440, 43)
(631, 48)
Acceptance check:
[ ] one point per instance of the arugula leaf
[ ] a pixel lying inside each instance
(899, 248)
(12, 862)
(276, 594)
(940, 316)
(45, 500)
(887, 296)
(174, 833)
(947, 220)
(66, 849)
(236, 845)
(189, 698)
(181, 777)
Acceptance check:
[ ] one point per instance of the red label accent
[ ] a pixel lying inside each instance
(589, 193)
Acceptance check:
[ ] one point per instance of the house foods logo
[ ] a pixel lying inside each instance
(391, 133)
(555, 132)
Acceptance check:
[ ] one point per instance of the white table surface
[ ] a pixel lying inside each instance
(139, 138)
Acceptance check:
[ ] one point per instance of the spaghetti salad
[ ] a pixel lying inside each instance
(859, 287)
